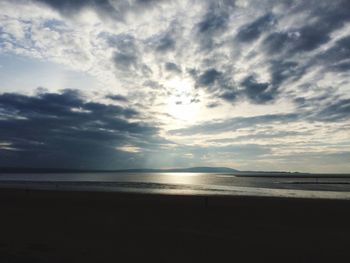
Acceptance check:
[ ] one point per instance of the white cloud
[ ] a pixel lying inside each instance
(124, 50)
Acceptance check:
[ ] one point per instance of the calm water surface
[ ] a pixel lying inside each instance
(185, 183)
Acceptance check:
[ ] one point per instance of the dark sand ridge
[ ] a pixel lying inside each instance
(58, 226)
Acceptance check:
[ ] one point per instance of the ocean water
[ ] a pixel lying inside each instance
(311, 186)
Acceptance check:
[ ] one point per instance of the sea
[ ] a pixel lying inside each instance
(288, 185)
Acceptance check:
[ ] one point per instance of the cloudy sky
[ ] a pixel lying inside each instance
(107, 84)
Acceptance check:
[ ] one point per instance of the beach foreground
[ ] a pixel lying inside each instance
(66, 226)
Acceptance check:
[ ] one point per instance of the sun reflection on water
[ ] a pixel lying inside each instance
(181, 178)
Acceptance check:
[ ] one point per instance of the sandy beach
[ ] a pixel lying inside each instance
(67, 226)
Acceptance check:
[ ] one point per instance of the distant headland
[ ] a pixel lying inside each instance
(200, 169)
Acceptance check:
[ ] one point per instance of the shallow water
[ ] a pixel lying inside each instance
(331, 186)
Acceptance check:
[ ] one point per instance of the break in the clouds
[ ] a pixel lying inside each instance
(256, 85)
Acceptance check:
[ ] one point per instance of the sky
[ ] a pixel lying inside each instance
(107, 84)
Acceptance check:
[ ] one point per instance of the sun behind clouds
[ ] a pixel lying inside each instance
(182, 103)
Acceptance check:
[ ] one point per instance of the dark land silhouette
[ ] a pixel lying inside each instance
(53, 226)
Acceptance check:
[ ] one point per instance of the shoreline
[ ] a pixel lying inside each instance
(131, 197)
(208, 191)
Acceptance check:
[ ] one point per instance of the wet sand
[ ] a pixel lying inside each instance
(67, 226)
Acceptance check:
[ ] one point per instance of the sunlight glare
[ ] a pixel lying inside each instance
(181, 104)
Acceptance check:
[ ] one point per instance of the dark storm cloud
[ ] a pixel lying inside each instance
(213, 105)
(325, 108)
(126, 61)
(258, 92)
(253, 30)
(274, 43)
(283, 47)
(298, 40)
(165, 44)
(113, 9)
(117, 98)
(322, 20)
(340, 51)
(103, 8)
(64, 130)
(147, 2)
(281, 71)
(124, 43)
(214, 80)
(230, 96)
(128, 57)
(337, 57)
(214, 22)
(69, 5)
(235, 124)
(341, 67)
(324, 17)
(209, 77)
(165, 41)
(170, 66)
(336, 111)
(308, 38)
